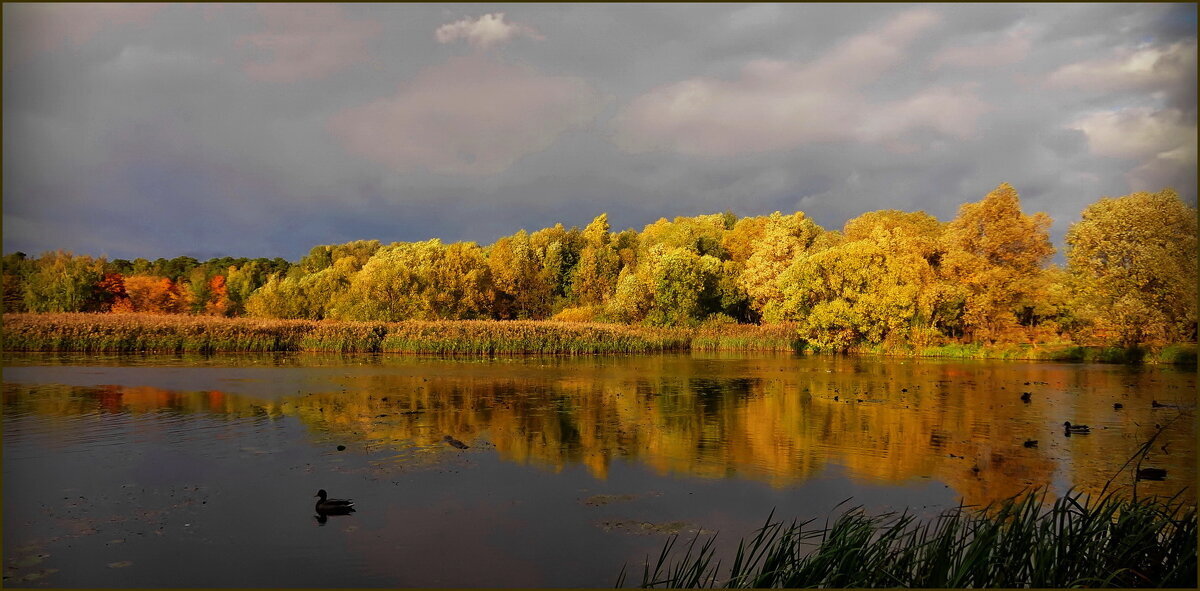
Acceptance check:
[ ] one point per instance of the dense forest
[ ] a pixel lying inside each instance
(886, 278)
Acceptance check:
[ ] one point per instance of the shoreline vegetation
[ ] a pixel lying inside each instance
(172, 334)
(1022, 542)
(888, 282)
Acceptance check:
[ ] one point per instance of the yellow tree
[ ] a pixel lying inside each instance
(460, 283)
(996, 253)
(393, 284)
(559, 249)
(1134, 262)
(876, 287)
(702, 234)
(595, 276)
(523, 289)
(783, 239)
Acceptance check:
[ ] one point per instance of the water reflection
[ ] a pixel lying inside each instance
(780, 420)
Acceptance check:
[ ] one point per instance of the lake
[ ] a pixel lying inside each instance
(162, 471)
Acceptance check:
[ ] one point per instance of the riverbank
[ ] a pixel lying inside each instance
(156, 333)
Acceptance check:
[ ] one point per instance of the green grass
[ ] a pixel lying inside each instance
(1077, 540)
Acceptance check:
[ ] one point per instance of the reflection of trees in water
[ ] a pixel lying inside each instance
(775, 420)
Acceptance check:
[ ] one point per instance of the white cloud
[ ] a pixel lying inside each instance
(1135, 132)
(485, 31)
(470, 115)
(1144, 67)
(1162, 142)
(776, 105)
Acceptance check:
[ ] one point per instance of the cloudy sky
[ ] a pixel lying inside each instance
(262, 130)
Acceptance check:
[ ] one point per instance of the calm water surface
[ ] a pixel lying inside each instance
(201, 471)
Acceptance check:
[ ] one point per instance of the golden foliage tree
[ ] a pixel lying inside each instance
(524, 289)
(1134, 261)
(599, 265)
(995, 255)
(783, 239)
(878, 283)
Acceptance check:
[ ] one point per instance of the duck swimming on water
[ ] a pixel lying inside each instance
(333, 506)
(1151, 474)
(1076, 429)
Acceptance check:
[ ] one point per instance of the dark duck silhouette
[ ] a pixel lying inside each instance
(1151, 474)
(454, 442)
(1031, 443)
(1026, 396)
(1070, 429)
(1118, 406)
(327, 506)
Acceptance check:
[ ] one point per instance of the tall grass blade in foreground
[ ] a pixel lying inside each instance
(1078, 540)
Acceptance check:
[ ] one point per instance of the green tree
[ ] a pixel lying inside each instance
(16, 270)
(64, 282)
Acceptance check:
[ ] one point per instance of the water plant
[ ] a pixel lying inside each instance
(1078, 540)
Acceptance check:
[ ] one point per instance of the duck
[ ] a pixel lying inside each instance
(1118, 406)
(1151, 474)
(1026, 396)
(1077, 429)
(454, 442)
(1157, 404)
(1031, 443)
(333, 506)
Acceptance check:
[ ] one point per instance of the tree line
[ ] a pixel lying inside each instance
(886, 278)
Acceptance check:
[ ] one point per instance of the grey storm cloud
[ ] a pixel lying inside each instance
(262, 130)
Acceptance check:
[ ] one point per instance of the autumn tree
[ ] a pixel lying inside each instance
(422, 281)
(462, 283)
(524, 290)
(219, 302)
(110, 292)
(995, 255)
(783, 239)
(876, 284)
(241, 281)
(702, 234)
(670, 286)
(599, 266)
(156, 295)
(1134, 261)
(559, 249)
(279, 297)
